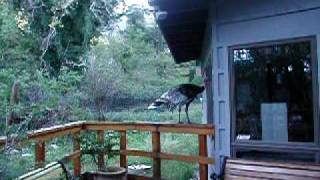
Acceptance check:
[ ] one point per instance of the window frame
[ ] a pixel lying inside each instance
(274, 146)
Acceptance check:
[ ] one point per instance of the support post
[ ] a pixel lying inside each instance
(156, 149)
(101, 161)
(76, 161)
(123, 146)
(204, 153)
(40, 151)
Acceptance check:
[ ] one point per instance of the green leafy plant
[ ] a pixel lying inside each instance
(91, 146)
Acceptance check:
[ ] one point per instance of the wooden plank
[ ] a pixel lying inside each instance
(101, 160)
(187, 130)
(233, 177)
(253, 174)
(50, 171)
(55, 131)
(203, 168)
(187, 158)
(60, 130)
(119, 126)
(169, 156)
(38, 170)
(295, 165)
(40, 152)
(123, 146)
(248, 169)
(76, 161)
(262, 169)
(205, 129)
(156, 148)
(138, 153)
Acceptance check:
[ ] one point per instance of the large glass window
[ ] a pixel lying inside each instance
(273, 92)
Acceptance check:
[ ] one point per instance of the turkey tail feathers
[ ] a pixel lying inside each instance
(156, 105)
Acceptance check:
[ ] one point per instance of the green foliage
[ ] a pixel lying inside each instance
(71, 65)
(17, 48)
(91, 146)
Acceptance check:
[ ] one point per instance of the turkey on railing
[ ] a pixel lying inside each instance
(178, 96)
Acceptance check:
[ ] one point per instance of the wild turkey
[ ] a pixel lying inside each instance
(181, 95)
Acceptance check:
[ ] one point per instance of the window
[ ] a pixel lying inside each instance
(274, 97)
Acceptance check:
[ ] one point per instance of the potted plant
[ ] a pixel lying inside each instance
(91, 146)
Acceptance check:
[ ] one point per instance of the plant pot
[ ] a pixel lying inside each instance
(111, 173)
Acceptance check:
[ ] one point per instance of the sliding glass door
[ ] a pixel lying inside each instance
(275, 92)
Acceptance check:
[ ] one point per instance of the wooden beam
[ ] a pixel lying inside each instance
(184, 29)
(101, 160)
(181, 6)
(187, 158)
(55, 131)
(156, 148)
(115, 126)
(187, 45)
(77, 160)
(169, 156)
(123, 147)
(205, 129)
(50, 171)
(40, 154)
(182, 39)
(131, 152)
(186, 18)
(189, 129)
(203, 168)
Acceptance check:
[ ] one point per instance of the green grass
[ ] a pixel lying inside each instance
(195, 114)
(16, 165)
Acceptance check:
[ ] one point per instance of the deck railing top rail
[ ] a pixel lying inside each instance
(60, 130)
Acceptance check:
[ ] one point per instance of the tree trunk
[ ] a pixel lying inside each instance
(14, 99)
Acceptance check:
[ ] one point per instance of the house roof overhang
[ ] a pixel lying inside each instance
(183, 27)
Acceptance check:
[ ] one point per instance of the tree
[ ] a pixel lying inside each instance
(64, 28)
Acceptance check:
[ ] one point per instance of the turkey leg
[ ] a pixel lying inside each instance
(179, 113)
(187, 108)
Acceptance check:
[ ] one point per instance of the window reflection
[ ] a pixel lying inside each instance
(273, 93)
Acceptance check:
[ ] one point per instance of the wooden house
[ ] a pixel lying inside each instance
(261, 57)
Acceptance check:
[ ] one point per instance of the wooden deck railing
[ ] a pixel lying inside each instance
(3, 140)
(42, 135)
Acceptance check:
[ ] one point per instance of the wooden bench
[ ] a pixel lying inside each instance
(239, 169)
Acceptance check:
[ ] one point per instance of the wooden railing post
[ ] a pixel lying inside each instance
(156, 149)
(77, 160)
(40, 155)
(203, 152)
(101, 161)
(123, 146)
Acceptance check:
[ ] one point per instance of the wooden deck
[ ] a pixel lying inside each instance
(42, 135)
